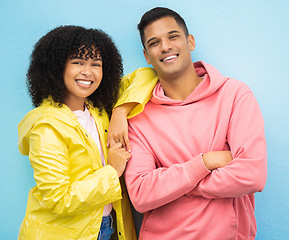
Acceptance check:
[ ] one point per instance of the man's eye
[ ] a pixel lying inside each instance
(153, 43)
(174, 36)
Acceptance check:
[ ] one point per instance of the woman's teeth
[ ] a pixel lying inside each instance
(84, 82)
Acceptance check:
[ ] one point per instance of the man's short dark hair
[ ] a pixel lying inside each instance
(156, 14)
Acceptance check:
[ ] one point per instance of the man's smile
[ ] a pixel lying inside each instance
(169, 58)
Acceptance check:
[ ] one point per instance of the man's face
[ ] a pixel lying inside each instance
(167, 48)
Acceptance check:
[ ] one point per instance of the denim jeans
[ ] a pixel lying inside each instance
(106, 228)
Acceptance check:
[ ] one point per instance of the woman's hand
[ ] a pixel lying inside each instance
(117, 157)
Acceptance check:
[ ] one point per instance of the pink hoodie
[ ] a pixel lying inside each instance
(166, 178)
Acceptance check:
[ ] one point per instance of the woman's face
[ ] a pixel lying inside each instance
(82, 77)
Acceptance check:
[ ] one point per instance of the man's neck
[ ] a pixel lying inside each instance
(180, 88)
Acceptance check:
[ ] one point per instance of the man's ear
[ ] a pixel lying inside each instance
(146, 56)
(191, 41)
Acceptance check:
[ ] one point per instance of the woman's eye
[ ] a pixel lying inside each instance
(77, 63)
(96, 64)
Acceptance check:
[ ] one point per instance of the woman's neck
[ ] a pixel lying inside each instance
(75, 103)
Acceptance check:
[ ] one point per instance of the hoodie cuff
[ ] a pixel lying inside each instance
(196, 169)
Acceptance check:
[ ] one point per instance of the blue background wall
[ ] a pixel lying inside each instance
(244, 39)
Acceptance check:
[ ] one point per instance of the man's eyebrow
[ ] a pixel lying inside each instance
(151, 39)
(174, 31)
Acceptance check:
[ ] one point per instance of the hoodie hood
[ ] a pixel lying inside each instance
(212, 81)
(48, 109)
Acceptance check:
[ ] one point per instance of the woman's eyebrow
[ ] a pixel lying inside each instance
(83, 58)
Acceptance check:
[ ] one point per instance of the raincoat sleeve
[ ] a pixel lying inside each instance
(137, 87)
(59, 190)
(247, 172)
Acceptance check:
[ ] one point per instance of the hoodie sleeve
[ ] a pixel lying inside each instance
(62, 191)
(137, 87)
(150, 186)
(247, 172)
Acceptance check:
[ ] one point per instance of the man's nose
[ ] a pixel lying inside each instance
(166, 45)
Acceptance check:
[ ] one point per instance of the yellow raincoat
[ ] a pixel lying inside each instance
(72, 186)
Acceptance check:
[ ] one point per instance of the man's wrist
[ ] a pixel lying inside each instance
(125, 108)
(206, 162)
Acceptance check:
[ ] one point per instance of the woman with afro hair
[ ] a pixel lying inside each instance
(74, 78)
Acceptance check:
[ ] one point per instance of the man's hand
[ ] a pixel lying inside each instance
(118, 157)
(217, 159)
(118, 127)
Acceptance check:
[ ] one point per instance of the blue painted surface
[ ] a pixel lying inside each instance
(247, 40)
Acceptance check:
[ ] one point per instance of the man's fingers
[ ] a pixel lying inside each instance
(127, 144)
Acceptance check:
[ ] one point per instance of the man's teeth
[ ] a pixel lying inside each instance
(84, 82)
(169, 58)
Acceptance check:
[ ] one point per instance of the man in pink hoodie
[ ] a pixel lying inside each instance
(198, 147)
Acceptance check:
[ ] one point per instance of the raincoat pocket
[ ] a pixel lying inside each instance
(33, 230)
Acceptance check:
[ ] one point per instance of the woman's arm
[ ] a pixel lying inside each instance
(136, 90)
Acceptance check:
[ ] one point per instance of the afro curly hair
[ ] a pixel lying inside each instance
(50, 53)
